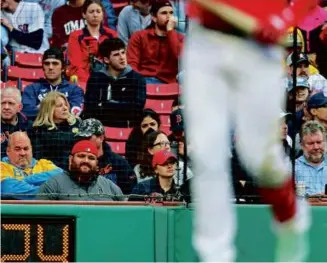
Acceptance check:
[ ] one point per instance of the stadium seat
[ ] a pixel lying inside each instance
(14, 72)
(118, 147)
(27, 60)
(165, 120)
(162, 90)
(117, 134)
(118, 5)
(16, 83)
(10, 83)
(159, 106)
(22, 84)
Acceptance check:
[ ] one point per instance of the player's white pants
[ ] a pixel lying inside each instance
(229, 79)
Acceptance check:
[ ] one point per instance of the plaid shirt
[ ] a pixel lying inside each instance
(314, 177)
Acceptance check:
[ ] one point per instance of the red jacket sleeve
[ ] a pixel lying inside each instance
(78, 61)
(176, 42)
(134, 51)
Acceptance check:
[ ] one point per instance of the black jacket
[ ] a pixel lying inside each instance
(116, 168)
(115, 102)
(7, 129)
(54, 145)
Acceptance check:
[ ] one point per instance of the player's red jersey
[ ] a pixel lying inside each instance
(259, 9)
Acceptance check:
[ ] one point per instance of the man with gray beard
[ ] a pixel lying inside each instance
(311, 168)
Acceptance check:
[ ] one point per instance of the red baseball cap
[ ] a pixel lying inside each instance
(162, 156)
(85, 146)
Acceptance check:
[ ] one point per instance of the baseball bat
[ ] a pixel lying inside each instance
(233, 16)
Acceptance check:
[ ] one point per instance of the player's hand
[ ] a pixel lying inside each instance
(171, 23)
(6, 23)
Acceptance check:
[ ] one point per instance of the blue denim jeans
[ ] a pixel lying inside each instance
(153, 80)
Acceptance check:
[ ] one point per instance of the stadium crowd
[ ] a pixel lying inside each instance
(105, 119)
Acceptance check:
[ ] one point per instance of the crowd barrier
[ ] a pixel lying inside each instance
(125, 232)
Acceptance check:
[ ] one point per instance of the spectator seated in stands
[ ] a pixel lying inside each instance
(83, 44)
(116, 94)
(154, 52)
(286, 139)
(54, 129)
(311, 168)
(302, 92)
(317, 82)
(53, 64)
(152, 143)
(25, 24)
(177, 136)
(136, 17)
(160, 187)
(48, 7)
(11, 118)
(132, 18)
(111, 165)
(68, 18)
(4, 40)
(150, 121)
(21, 174)
(82, 181)
(317, 106)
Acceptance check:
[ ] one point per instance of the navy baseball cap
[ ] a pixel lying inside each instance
(177, 121)
(302, 58)
(319, 100)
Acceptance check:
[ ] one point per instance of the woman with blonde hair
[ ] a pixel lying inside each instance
(54, 129)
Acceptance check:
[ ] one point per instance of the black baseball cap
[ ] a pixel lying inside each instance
(54, 53)
(156, 5)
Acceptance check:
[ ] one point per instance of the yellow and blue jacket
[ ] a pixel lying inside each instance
(16, 181)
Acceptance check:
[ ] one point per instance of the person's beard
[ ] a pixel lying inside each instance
(83, 177)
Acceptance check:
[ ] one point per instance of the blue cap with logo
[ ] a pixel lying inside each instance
(177, 121)
(319, 100)
(302, 58)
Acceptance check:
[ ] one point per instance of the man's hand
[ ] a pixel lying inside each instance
(6, 23)
(171, 23)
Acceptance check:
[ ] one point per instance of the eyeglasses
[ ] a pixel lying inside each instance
(162, 144)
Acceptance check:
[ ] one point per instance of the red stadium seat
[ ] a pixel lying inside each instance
(159, 106)
(165, 120)
(28, 60)
(118, 147)
(118, 5)
(30, 74)
(162, 90)
(117, 134)
(10, 83)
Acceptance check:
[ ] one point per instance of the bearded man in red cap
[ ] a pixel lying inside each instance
(81, 182)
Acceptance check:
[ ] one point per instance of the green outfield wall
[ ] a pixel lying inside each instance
(163, 234)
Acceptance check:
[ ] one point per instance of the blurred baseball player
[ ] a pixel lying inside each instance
(234, 73)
